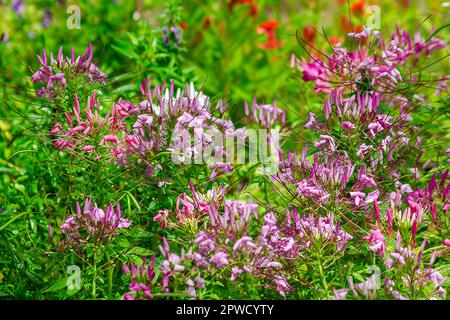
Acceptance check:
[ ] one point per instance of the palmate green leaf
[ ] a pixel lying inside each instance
(123, 242)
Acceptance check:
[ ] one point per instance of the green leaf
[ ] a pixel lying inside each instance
(139, 251)
(437, 31)
(57, 286)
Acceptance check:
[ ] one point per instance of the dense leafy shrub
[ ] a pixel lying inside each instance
(107, 192)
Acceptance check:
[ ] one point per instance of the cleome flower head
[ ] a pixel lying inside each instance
(92, 224)
(56, 73)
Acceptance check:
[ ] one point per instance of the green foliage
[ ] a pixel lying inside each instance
(221, 51)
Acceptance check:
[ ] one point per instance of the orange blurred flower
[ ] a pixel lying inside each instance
(269, 25)
(183, 25)
(358, 7)
(348, 27)
(346, 24)
(309, 33)
(358, 28)
(253, 9)
(207, 22)
(405, 3)
(335, 40)
(268, 28)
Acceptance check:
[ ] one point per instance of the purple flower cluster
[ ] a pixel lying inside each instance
(362, 136)
(141, 280)
(56, 73)
(47, 19)
(188, 208)
(405, 265)
(302, 232)
(165, 121)
(18, 6)
(432, 201)
(347, 69)
(226, 243)
(385, 133)
(406, 276)
(265, 115)
(326, 181)
(377, 242)
(173, 268)
(171, 35)
(356, 139)
(88, 132)
(130, 135)
(92, 223)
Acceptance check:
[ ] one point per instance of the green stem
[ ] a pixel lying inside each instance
(13, 219)
(110, 278)
(94, 284)
(322, 276)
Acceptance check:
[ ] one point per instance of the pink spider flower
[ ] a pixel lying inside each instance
(141, 280)
(163, 218)
(99, 224)
(377, 242)
(54, 72)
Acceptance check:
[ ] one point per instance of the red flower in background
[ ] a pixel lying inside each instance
(183, 25)
(358, 28)
(358, 7)
(335, 40)
(405, 3)
(309, 33)
(346, 24)
(269, 25)
(348, 27)
(207, 22)
(251, 3)
(268, 28)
